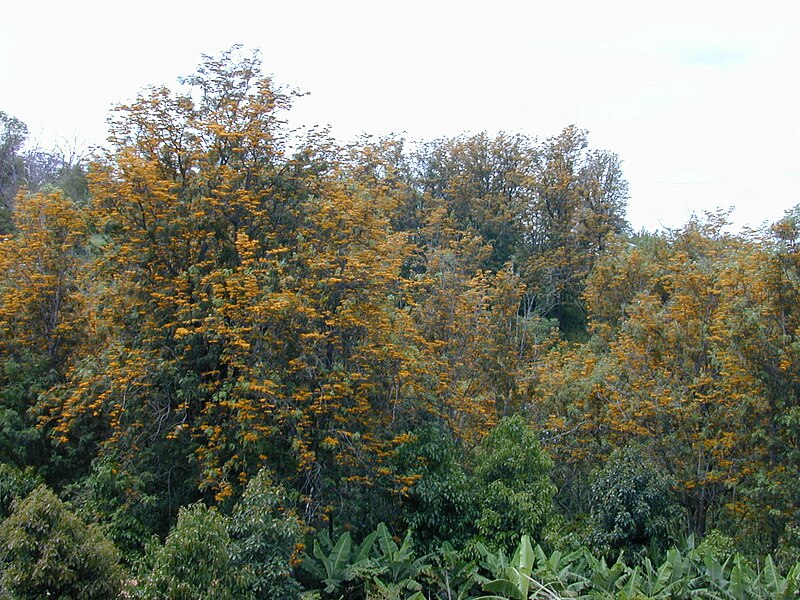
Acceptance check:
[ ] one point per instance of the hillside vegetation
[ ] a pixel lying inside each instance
(239, 360)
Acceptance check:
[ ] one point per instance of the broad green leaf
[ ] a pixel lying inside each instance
(340, 553)
(775, 584)
(504, 587)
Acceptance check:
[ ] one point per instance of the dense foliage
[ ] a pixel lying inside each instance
(48, 551)
(240, 361)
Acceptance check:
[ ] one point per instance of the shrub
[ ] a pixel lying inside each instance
(15, 483)
(439, 504)
(47, 551)
(634, 506)
(115, 498)
(265, 538)
(194, 561)
(514, 487)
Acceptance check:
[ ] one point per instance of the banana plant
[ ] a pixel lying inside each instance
(516, 581)
(341, 566)
(717, 575)
(605, 582)
(452, 574)
(672, 579)
(792, 589)
(742, 578)
(397, 569)
(777, 586)
(564, 573)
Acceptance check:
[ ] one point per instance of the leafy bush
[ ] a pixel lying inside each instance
(265, 538)
(115, 498)
(514, 487)
(440, 504)
(717, 544)
(47, 551)
(634, 506)
(15, 483)
(194, 561)
(789, 547)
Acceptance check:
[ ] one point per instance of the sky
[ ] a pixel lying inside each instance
(698, 98)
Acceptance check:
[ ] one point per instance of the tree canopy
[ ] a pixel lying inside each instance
(230, 334)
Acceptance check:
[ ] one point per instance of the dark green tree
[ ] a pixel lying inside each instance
(194, 562)
(634, 507)
(512, 479)
(266, 536)
(15, 483)
(483, 183)
(116, 496)
(440, 504)
(47, 551)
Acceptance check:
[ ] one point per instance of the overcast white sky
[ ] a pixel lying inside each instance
(699, 98)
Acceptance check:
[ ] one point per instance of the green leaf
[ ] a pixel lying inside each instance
(385, 541)
(524, 556)
(742, 578)
(792, 581)
(775, 584)
(505, 587)
(336, 561)
(361, 554)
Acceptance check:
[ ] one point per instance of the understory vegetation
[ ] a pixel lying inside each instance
(243, 361)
